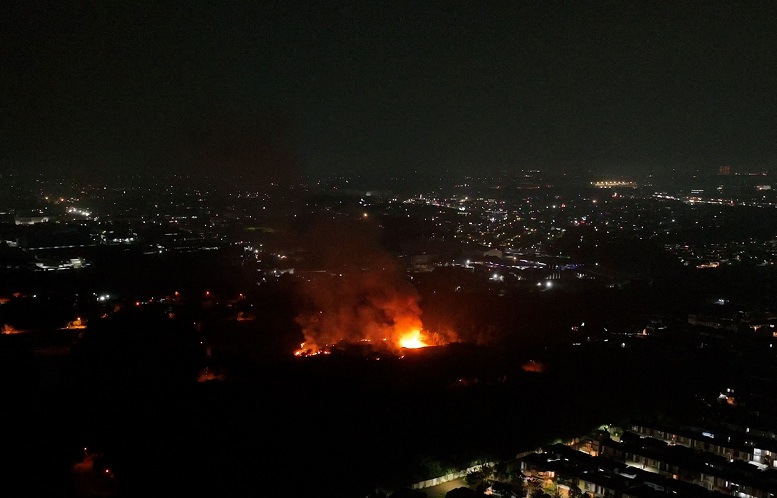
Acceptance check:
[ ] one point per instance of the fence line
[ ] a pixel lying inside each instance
(447, 477)
(461, 473)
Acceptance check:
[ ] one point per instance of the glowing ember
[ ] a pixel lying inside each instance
(206, 375)
(306, 349)
(8, 329)
(76, 324)
(533, 366)
(412, 340)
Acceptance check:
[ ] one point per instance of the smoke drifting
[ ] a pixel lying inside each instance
(359, 306)
(361, 294)
(225, 148)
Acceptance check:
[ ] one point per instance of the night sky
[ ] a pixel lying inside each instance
(387, 88)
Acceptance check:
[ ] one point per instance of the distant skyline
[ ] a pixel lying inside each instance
(280, 90)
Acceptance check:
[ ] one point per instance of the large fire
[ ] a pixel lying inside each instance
(411, 339)
(364, 299)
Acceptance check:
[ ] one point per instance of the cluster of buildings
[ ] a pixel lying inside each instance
(731, 253)
(496, 217)
(536, 218)
(722, 442)
(653, 460)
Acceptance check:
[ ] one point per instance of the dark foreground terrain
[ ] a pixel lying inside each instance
(337, 425)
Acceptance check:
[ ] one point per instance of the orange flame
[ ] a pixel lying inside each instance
(8, 329)
(78, 323)
(413, 339)
(533, 366)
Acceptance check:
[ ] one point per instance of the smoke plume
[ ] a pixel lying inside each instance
(356, 290)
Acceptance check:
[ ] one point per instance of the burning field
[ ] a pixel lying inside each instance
(364, 298)
(373, 310)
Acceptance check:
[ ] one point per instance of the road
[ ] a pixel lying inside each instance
(440, 490)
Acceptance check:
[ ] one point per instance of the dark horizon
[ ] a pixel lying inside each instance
(387, 89)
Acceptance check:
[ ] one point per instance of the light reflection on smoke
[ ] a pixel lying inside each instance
(363, 297)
